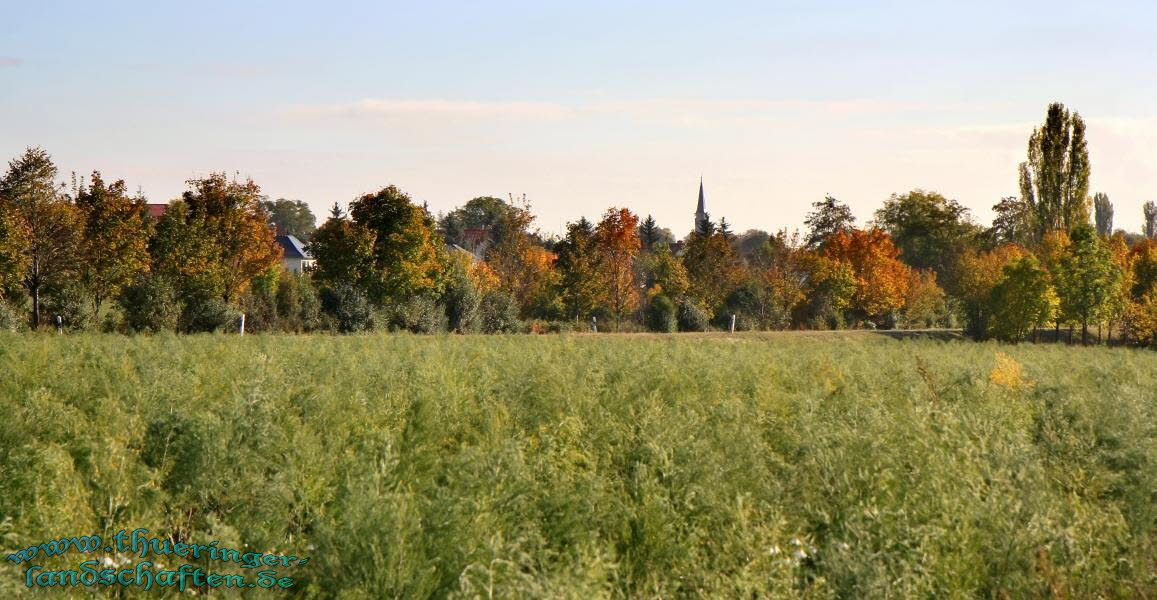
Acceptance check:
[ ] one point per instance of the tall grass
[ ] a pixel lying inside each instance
(596, 467)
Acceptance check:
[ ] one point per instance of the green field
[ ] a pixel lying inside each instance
(841, 466)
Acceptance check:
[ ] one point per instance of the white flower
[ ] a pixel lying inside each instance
(774, 551)
(799, 554)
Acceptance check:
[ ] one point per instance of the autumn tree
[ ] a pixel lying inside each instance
(408, 259)
(881, 278)
(39, 229)
(291, 217)
(1054, 181)
(978, 272)
(829, 288)
(827, 218)
(775, 283)
(1103, 214)
(661, 272)
(617, 247)
(524, 269)
(1085, 278)
(116, 234)
(229, 216)
(714, 269)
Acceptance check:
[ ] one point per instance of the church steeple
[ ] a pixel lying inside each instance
(701, 209)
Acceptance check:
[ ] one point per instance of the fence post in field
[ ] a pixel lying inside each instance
(59, 324)
(732, 322)
(594, 324)
(242, 332)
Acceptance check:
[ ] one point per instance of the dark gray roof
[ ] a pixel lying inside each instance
(700, 210)
(293, 247)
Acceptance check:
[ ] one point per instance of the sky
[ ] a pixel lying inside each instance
(583, 106)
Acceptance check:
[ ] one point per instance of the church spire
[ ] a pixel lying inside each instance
(701, 209)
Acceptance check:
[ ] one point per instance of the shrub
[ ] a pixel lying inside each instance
(72, 304)
(205, 312)
(498, 313)
(693, 317)
(462, 300)
(662, 315)
(9, 319)
(420, 314)
(349, 306)
(150, 304)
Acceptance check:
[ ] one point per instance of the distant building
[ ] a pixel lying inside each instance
(700, 210)
(293, 255)
(156, 211)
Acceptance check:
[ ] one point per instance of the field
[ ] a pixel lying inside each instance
(593, 466)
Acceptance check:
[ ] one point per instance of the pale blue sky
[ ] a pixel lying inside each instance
(583, 105)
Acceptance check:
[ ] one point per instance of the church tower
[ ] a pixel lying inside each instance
(701, 210)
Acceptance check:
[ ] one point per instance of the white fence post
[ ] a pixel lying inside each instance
(242, 323)
(733, 323)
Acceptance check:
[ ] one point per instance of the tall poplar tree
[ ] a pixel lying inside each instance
(1103, 212)
(1054, 181)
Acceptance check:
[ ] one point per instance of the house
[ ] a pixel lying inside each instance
(156, 211)
(293, 255)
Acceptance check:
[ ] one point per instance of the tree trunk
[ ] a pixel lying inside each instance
(35, 306)
(1085, 332)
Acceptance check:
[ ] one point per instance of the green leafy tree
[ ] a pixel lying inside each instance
(116, 238)
(485, 214)
(40, 230)
(827, 218)
(1103, 214)
(1021, 301)
(293, 217)
(1086, 278)
(344, 251)
(1013, 222)
(578, 263)
(714, 269)
(1054, 181)
(1149, 225)
(929, 229)
(408, 259)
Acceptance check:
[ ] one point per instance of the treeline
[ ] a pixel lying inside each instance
(94, 258)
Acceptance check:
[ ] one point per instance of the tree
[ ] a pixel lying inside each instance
(618, 246)
(116, 238)
(649, 233)
(343, 251)
(827, 218)
(751, 241)
(1103, 210)
(881, 279)
(228, 217)
(928, 228)
(713, 268)
(39, 229)
(1054, 181)
(1085, 278)
(291, 217)
(1021, 301)
(663, 273)
(775, 283)
(1149, 225)
(1013, 223)
(478, 225)
(978, 272)
(525, 270)
(408, 260)
(578, 270)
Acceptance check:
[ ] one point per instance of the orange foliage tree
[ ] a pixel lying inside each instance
(617, 245)
(881, 279)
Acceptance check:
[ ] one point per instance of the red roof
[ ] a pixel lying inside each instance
(157, 211)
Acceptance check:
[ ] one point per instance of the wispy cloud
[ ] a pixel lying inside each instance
(666, 109)
(386, 110)
(10, 61)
